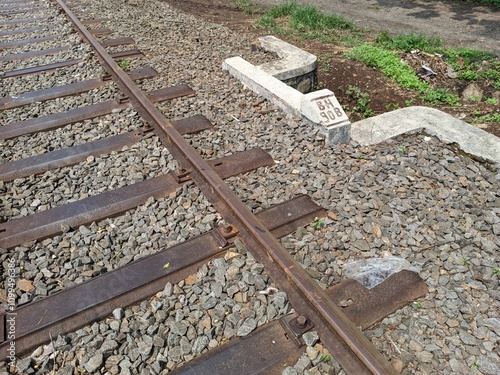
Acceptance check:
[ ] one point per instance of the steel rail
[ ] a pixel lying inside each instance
(358, 356)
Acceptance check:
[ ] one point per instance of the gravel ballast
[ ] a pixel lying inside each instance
(411, 197)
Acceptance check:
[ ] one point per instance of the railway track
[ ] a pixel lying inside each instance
(104, 87)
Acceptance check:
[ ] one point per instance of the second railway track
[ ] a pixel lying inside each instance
(100, 210)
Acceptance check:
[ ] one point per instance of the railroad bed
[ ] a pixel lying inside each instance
(126, 260)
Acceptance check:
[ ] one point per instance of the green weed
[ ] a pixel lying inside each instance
(495, 117)
(282, 10)
(492, 74)
(318, 223)
(124, 64)
(469, 75)
(392, 106)
(496, 271)
(466, 262)
(305, 21)
(267, 22)
(487, 2)
(352, 39)
(324, 62)
(362, 99)
(403, 149)
(308, 17)
(440, 96)
(325, 358)
(244, 5)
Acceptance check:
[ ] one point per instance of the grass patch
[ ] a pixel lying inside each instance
(245, 5)
(462, 59)
(469, 75)
(388, 62)
(407, 42)
(468, 63)
(495, 3)
(487, 118)
(306, 21)
(441, 96)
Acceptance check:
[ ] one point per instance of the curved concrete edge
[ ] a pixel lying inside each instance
(293, 61)
(448, 129)
(277, 92)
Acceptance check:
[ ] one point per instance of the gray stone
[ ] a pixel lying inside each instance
(145, 345)
(451, 72)
(125, 364)
(279, 299)
(199, 344)
(113, 360)
(156, 305)
(246, 327)
(472, 93)
(175, 353)
(185, 345)
(289, 371)
(179, 328)
(22, 365)
(311, 352)
(424, 356)
(303, 363)
(310, 338)
(94, 363)
(467, 338)
(488, 366)
(108, 346)
(415, 346)
(118, 313)
(209, 303)
(167, 291)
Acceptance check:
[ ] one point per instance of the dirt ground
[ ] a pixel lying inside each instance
(374, 92)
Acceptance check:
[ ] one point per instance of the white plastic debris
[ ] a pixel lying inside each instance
(427, 70)
(373, 271)
(270, 290)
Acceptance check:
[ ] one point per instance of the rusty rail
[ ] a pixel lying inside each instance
(315, 308)
(355, 352)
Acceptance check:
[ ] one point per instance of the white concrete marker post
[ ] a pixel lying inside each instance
(322, 107)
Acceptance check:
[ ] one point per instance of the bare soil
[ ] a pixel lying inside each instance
(377, 93)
